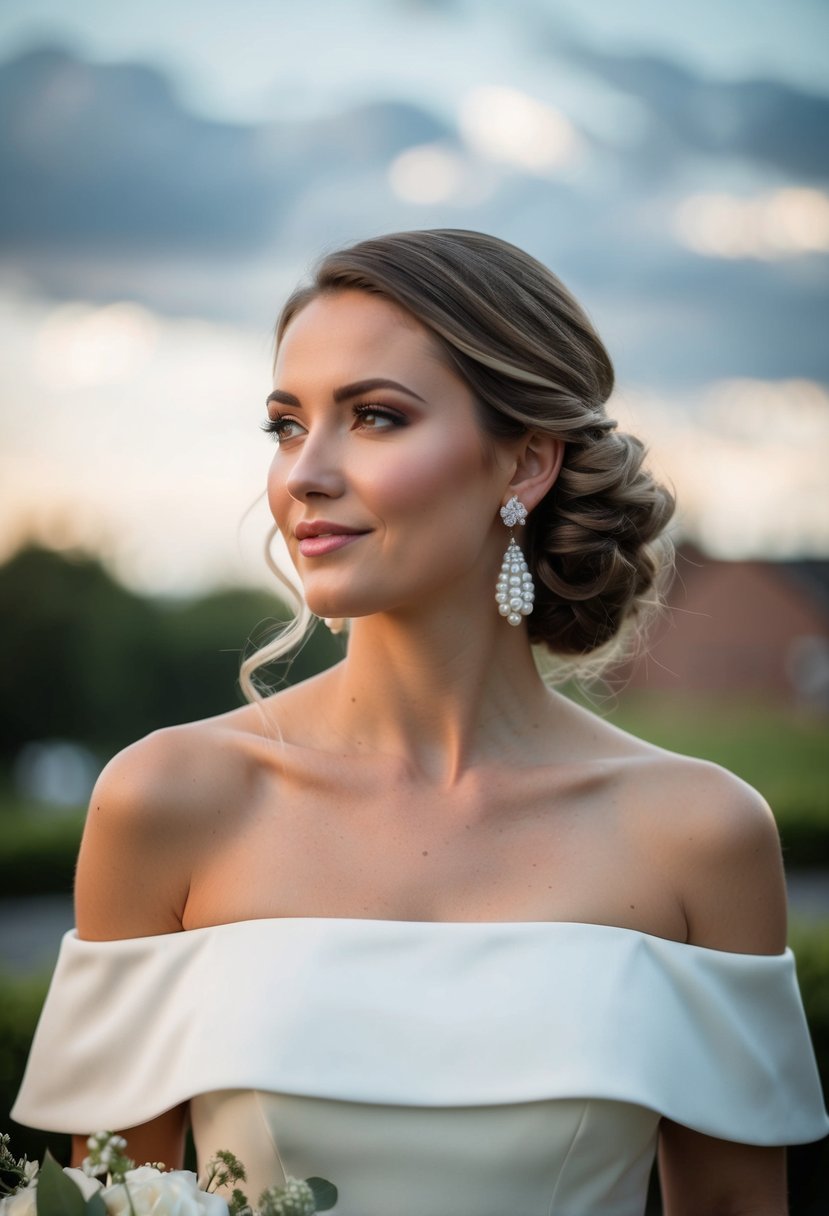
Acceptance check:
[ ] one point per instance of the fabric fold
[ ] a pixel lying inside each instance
(419, 1013)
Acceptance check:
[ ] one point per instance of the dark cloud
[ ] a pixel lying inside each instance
(766, 121)
(712, 320)
(96, 156)
(104, 155)
(671, 319)
(113, 190)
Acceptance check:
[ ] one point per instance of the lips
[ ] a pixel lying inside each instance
(319, 536)
(322, 527)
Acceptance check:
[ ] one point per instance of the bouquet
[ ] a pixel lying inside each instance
(29, 1189)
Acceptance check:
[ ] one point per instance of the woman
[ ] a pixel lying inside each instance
(449, 939)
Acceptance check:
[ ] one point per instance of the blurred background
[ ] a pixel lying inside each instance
(170, 170)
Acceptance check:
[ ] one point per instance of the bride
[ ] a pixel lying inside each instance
(421, 924)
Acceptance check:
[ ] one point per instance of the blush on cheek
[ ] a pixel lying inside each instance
(436, 473)
(277, 497)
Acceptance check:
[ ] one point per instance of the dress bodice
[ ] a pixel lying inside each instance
(568, 1156)
(423, 1067)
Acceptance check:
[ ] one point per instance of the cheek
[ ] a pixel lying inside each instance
(278, 497)
(429, 477)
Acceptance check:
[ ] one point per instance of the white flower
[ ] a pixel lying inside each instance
(86, 1185)
(24, 1202)
(295, 1198)
(156, 1194)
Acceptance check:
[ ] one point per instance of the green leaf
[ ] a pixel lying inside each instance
(238, 1203)
(57, 1194)
(95, 1205)
(325, 1193)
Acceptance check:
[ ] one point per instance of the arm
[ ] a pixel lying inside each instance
(701, 1176)
(132, 881)
(161, 1139)
(730, 874)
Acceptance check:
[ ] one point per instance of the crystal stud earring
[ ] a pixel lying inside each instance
(514, 591)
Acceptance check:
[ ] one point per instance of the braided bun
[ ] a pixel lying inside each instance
(596, 546)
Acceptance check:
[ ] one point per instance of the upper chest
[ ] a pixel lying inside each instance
(359, 839)
(342, 810)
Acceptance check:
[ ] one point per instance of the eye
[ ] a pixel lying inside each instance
(282, 428)
(378, 417)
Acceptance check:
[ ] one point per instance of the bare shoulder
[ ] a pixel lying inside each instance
(152, 807)
(173, 774)
(716, 837)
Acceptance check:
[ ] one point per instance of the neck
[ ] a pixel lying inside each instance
(440, 692)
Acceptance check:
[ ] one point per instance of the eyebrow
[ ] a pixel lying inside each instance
(345, 392)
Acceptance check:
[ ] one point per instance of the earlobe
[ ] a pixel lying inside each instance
(538, 464)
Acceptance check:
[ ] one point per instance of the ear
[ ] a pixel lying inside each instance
(537, 465)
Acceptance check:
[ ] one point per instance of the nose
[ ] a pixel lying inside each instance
(316, 469)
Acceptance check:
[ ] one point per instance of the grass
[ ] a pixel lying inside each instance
(782, 753)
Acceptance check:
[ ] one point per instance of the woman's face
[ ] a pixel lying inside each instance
(383, 484)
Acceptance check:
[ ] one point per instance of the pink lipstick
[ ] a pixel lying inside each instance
(319, 536)
(316, 546)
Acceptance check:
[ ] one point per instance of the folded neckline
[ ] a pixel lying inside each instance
(405, 925)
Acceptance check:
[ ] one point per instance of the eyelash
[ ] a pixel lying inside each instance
(273, 426)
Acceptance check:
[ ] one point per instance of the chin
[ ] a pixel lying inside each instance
(327, 600)
(349, 601)
(332, 605)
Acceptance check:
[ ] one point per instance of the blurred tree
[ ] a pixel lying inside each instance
(86, 659)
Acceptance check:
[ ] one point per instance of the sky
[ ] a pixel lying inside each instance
(172, 169)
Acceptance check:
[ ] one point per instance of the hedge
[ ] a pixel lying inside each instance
(39, 852)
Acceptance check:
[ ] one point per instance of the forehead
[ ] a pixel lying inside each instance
(353, 333)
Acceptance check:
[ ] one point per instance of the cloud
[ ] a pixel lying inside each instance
(105, 156)
(669, 317)
(766, 121)
(114, 191)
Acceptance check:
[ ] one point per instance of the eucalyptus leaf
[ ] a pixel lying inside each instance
(57, 1194)
(325, 1193)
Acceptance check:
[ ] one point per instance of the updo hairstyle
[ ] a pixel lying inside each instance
(595, 544)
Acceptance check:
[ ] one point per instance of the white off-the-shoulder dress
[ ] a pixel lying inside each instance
(429, 1069)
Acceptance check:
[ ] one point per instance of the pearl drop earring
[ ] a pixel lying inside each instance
(514, 591)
